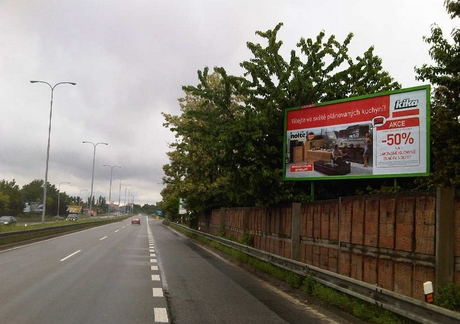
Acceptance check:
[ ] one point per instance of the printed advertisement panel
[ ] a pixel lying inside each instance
(182, 206)
(380, 135)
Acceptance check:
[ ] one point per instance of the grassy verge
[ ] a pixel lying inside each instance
(14, 234)
(354, 306)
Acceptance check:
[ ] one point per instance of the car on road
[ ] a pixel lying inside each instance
(136, 221)
(72, 217)
(8, 220)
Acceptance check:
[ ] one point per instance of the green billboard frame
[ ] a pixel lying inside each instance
(398, 123)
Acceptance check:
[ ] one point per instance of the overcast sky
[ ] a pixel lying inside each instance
(130, 60)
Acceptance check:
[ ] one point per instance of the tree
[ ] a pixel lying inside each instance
(203, 153)
(10, 198)
(324, 73)
(33, 191)
(229, 137)
(444, 76)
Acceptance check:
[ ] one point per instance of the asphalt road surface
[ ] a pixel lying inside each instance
(123, 273)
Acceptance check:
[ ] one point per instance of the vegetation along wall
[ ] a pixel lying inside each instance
(395, 241)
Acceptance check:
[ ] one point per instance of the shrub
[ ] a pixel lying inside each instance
(449, 297)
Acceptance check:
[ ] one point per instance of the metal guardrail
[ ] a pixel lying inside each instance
(407, 307)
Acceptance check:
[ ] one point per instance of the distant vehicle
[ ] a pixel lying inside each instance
(72, 217)
(8, 220)
(136, 221)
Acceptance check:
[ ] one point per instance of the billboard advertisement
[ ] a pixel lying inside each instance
(182, 206)
(33, 207)
(379, 135)
(74, 209)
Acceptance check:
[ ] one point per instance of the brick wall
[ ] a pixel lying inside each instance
(387, 240)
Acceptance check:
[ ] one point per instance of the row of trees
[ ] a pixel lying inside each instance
(229, 139)
(13, 199)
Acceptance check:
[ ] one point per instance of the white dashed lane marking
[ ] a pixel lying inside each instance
(70, 255)
(160, 313)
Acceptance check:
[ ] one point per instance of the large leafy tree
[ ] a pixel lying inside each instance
(10, 198)
(33, 191)
(444, 75)
(229, 143)
(204, 150)
(322, 73)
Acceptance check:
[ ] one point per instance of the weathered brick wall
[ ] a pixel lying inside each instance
(457, 241)
(233, 223)
(387, 240)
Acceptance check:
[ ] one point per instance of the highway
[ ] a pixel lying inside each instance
(123, 273)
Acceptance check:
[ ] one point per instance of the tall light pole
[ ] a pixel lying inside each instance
(79, 196)
(119, 192)
(126, 187)
(48, 147)
(59, 196)
(92, 177)
(132, 204)
(110, 189)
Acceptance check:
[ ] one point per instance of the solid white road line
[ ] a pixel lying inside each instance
(70, 255)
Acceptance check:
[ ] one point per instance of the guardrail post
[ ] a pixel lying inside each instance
(444, 267)
(295, 231)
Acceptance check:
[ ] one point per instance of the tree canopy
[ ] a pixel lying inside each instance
(229, 136)
(444, 75)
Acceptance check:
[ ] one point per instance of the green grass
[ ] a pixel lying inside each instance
(58, 227)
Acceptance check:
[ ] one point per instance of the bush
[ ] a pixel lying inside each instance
(449, 297)
(247, 239)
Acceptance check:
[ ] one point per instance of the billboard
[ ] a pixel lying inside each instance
(74, 209)
(375, 136)
(182, 206)
(33, 207)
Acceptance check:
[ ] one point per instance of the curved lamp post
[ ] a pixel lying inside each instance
(92, 177)
(59, 196)
(126, 187)
(119, 192)
(48, 147)
(79, 196)
(110, 188)
(132, 203)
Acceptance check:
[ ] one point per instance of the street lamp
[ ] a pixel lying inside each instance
(132, 204)
(110, 189)
(48, 147)
(126, 187)
(130, 207)
(119, 192)
(79, 196)
(92, 177)
(59, 196)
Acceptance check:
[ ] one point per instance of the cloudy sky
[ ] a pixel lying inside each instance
(130, 60)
